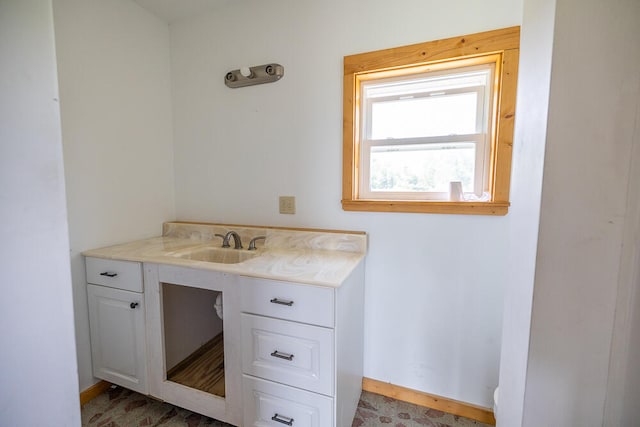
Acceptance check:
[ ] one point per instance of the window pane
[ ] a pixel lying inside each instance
(454, 114)
(422, 167)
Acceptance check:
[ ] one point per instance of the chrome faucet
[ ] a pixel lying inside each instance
(237, 242)
(252, 243)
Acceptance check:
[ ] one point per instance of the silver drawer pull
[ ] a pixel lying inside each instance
(109, 274)
(282, 419)
(284, 356)
(281, 302)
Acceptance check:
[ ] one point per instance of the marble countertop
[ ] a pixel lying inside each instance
(315, 257)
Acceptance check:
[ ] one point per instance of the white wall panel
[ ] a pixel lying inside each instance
(113, 65)
(592, 129)
(434, 283)
(37, 361)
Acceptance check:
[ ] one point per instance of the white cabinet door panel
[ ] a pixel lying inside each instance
(118, 345)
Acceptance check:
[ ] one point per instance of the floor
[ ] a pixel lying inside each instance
(119, 407)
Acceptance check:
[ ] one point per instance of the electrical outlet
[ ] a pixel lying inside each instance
(287, 204)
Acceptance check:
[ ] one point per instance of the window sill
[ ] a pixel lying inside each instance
(444, 207)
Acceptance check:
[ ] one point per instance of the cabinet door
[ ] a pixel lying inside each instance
(118, 345)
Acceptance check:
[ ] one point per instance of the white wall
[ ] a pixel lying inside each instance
(37, 360)
(623, 391)
(435, 283)
(526, 186)
(595, 94)
(113, 65)
(629, 397)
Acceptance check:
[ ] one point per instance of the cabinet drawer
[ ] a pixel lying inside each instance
(268, 404)
(288, 352)
(125, 275)
(301, 303)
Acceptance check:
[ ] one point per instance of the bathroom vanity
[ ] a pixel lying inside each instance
(267, 337)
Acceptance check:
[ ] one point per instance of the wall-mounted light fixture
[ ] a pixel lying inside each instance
(247, 76)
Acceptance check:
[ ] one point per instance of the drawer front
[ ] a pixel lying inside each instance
(268, 404)
(288, 352)
(301, 303)
(125, 275)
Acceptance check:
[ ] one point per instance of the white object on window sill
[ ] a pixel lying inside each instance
(455, 191)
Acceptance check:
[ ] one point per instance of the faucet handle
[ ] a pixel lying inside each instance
(225, 240)
(252, 243)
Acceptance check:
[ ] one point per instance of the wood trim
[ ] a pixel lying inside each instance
(437, 207)
(93, 392)
(455, 407)
(452, 63)
(438, 50)
(505, 125)
(349, 135)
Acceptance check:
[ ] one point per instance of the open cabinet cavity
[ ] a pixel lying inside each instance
(193, 337)
(193, 324)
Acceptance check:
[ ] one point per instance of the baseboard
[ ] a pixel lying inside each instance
(478, 413)
(93, 391)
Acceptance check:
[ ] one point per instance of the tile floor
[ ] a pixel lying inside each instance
(119, 407)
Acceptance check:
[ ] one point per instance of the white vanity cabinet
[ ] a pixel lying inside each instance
(117, 322)
(273, 339)
(301, 352)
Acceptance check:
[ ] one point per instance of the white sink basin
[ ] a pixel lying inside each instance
(217, 255)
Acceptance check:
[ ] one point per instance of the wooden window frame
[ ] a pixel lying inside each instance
(396, 61)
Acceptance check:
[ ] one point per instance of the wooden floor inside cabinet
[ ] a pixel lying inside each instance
(203, 369)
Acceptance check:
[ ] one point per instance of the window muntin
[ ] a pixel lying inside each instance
(419, 130)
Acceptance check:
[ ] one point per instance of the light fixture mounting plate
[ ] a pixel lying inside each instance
(267, 73)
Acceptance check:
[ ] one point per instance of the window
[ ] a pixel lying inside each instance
(424, 130)
(419, 117)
